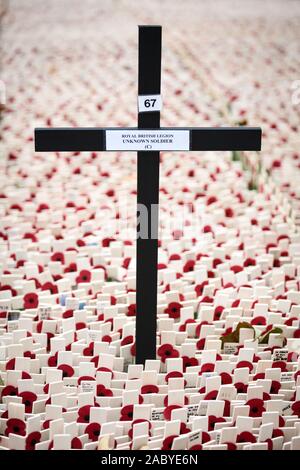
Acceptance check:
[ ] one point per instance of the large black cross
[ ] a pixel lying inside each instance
(147, 142)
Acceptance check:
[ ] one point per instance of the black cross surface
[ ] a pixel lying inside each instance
(148, 143)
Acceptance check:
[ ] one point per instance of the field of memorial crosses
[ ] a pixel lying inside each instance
(227, 372)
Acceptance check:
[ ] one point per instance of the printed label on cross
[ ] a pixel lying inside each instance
(148, 140)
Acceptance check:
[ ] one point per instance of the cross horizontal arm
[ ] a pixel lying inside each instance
(94, 139)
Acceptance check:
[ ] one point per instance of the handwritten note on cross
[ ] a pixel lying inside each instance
(148, 139)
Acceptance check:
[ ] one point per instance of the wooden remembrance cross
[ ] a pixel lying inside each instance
(148, 139)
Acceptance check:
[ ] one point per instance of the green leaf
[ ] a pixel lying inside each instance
(234, 336)
(264, 339)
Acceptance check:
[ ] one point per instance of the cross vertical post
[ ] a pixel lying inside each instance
(147, 199)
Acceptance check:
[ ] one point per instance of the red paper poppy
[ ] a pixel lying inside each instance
(279, 365)
(256, 407)
(15, 426)
(173, 310)
(89, 350)
(84, 276)
(68, 314)
(275, 386)
(259, 321)
(242, 364)
(189, 266)
(231, 446)
(72, 268)
(127, 413)
(200, 287)
(174, 374)
(277, 433)
(189, 362)
(212, 420)
(199, 327)
(136, 421)
(85, 378)
(149, 389)
(168, 442)
(80, 325)
(196, 447)
(32, 439)
(168, 411)
(9, 390)
(127, 340)
(212, 395)
(51, 287)
(29, 354)
(84, 414)
(67, 370)
(225, 378)
(10, 365)
(30, 300)
(296, 408)
(188, 321)
(201, 344)
(184, 429)
(246, 436)
(28, 398)
(52, 361)
(218, 312)
(93, 431)
(102, 391)
(76, 443)
(58, 257)
(166, 351)
(240, 387)
(105, 369)
(131, 312)
(207, 368)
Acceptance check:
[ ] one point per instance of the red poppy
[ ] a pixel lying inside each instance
(189, 266)
(242, 364)
(10, 365)
(212, 395)
(173, 310)
(80, 325)
(149, 389)
(93, 431)
(84, 276)
(231, 445)
(240, 387)
(275, 386)
(259, 321)
(196, 447)
(183, 327)
(58, 257)
(166, 351)
(199, 327)
(168, 411)
(201, 344)
(68, 314)
(127, 340)
(296, 408)
(218, 312)
(256, 407)
(32, 439)
(52, 361)
(102, 391)
(67, 370)
(85, 378)
(28, 398)
(189, 362)
(127, 413)
(246, 436)
(184, 429)
(296, 334)
(131, 312)
(173, 374)
(225, 378)
(89, 350)
(30, 300)
(199, 288)
(212, 420)
(136, 421)
(207, 368)
(279, 365)
(76, 443)
(72, 268)
(51, 287)
(168, 442)
(84, 414)
(236, 269)
(9, 390)
(105, 369)
(15, 426)
(277, 433)
(29, 354)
